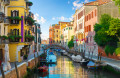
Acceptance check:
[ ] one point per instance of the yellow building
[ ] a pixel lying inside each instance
(67, 32)
(62, 25)
(57, 33)
(19, 29)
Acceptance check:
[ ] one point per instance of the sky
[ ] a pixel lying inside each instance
(48, 12)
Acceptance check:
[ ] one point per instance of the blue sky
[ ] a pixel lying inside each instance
(48, 12)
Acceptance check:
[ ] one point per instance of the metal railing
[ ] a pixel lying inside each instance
(6, 41)
(6, 20)
(6, 2)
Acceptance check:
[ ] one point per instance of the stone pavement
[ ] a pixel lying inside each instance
(30, 56)
(112, 62)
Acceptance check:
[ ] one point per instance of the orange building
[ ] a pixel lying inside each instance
(51, 35)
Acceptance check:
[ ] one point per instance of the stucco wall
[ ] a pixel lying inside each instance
(108, 8)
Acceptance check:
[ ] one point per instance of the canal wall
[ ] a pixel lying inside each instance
(22, 69)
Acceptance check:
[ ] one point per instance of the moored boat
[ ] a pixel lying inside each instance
(43, 69)
(84, 62)
(92, 65)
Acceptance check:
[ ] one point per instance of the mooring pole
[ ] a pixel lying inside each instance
(35, 59)
(3, 75)
(16, 70)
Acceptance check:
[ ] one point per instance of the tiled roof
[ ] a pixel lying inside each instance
(98, 2)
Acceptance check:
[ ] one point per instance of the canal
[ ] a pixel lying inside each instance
(66, 68)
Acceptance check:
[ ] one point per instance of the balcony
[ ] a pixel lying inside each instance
(2, 15)
(29, 38)
(6, 21)
(30, 21)
(6, 2)
(14, 38)
(14, 20)
(4, 40)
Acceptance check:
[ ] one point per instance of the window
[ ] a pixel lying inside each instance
(13, 14)
(92, 14)
(89, 27)
(95, 12)
(89, 16)
(4, 30)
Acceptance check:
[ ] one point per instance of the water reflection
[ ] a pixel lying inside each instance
(65, 68)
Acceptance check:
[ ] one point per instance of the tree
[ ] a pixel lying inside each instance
(71, 42)
(102, 38)
(114, 29)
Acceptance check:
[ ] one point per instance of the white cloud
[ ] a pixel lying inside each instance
(77, 4)
(62, 18)
(53, 18)
(41, 20)
(86, 1)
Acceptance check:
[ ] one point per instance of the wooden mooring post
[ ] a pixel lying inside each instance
(3, 75)
(16, 70)
(35, 59)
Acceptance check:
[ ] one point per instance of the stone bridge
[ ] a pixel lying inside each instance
(57, 46)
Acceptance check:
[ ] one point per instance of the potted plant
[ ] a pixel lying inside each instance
(25, 57)
(4, 37)
(11, 38)
(18, 37)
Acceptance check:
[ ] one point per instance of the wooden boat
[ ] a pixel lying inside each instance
(84, 62)
(43, 69)
(92, 65)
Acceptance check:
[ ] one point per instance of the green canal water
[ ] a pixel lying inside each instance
(66, 68)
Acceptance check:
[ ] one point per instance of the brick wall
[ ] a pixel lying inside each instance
(12, 72)
(114, 56)
(31, 63)
(22, 69)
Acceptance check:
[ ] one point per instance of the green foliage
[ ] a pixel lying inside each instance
(114, 29)
(102, 38)
(4, 37)
(71, 42)
(11, 37)
(15, 18)
(117, 51)
(29, 3)
(61, 36)
(30, 20)
(29, 37)
(18, 36)
(105, 21)
(97, 27)
(109, 49)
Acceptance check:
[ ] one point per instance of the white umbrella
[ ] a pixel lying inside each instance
(6, 65)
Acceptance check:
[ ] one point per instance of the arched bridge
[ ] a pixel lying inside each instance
(57, 46)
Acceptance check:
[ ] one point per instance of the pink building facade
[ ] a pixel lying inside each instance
(90, 21)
